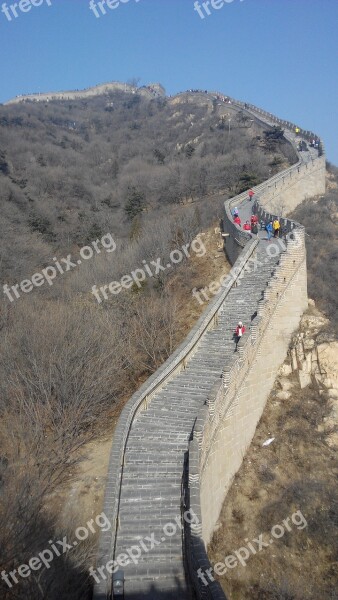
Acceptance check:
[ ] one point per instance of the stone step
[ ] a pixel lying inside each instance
(196, 368)
(148, 571)
(196, 379)
(158, 410)
(151, 470)
(144, 426)
(219, 345)
(167, 532)
(147, 496)
(148, 457)
(139, 437)
(134, 510)
(165, 516)
(157, 504)
(190, 384)
(208, 362)
(170, 392)
(154, 558)
(154, 445)
(212, 352)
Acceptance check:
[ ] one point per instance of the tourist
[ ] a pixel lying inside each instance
(276, 227)
(269, 230)
(238, 221)
(251, 194)
(254, 228)
(247, 226)
(240, 329)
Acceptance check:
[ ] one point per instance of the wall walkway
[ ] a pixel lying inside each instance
(181, 437)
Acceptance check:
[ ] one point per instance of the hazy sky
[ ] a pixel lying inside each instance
(281, 55)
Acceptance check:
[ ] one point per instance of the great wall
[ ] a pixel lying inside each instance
(181, 438)
(148, 91)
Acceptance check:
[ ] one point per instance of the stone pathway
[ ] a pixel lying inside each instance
(151, 483)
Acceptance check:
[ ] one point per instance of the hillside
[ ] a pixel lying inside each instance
(320, 218)
(71, 171)
(122, 181)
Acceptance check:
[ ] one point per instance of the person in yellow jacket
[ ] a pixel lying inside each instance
(297, 130)
(276, 227)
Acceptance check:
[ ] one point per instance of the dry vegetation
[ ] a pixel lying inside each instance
(320, 218)
(149, 172)
(70, 171)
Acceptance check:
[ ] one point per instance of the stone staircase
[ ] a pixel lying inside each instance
(147, 479)
(149, 510)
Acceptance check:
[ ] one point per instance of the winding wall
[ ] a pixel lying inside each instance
(206, 394)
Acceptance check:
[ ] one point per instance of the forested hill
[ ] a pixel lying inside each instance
(151, 173)
(72, 170)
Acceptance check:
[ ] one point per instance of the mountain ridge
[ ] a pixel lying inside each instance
(151, 90)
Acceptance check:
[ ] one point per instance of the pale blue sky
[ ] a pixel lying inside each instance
(281, 55)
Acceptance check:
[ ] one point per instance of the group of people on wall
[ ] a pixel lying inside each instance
(274, 230)
(313, 143)
(272, 226)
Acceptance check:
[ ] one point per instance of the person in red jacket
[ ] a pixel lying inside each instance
(240, 329)
(247, 226)
(238, 221)
(251, 194)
